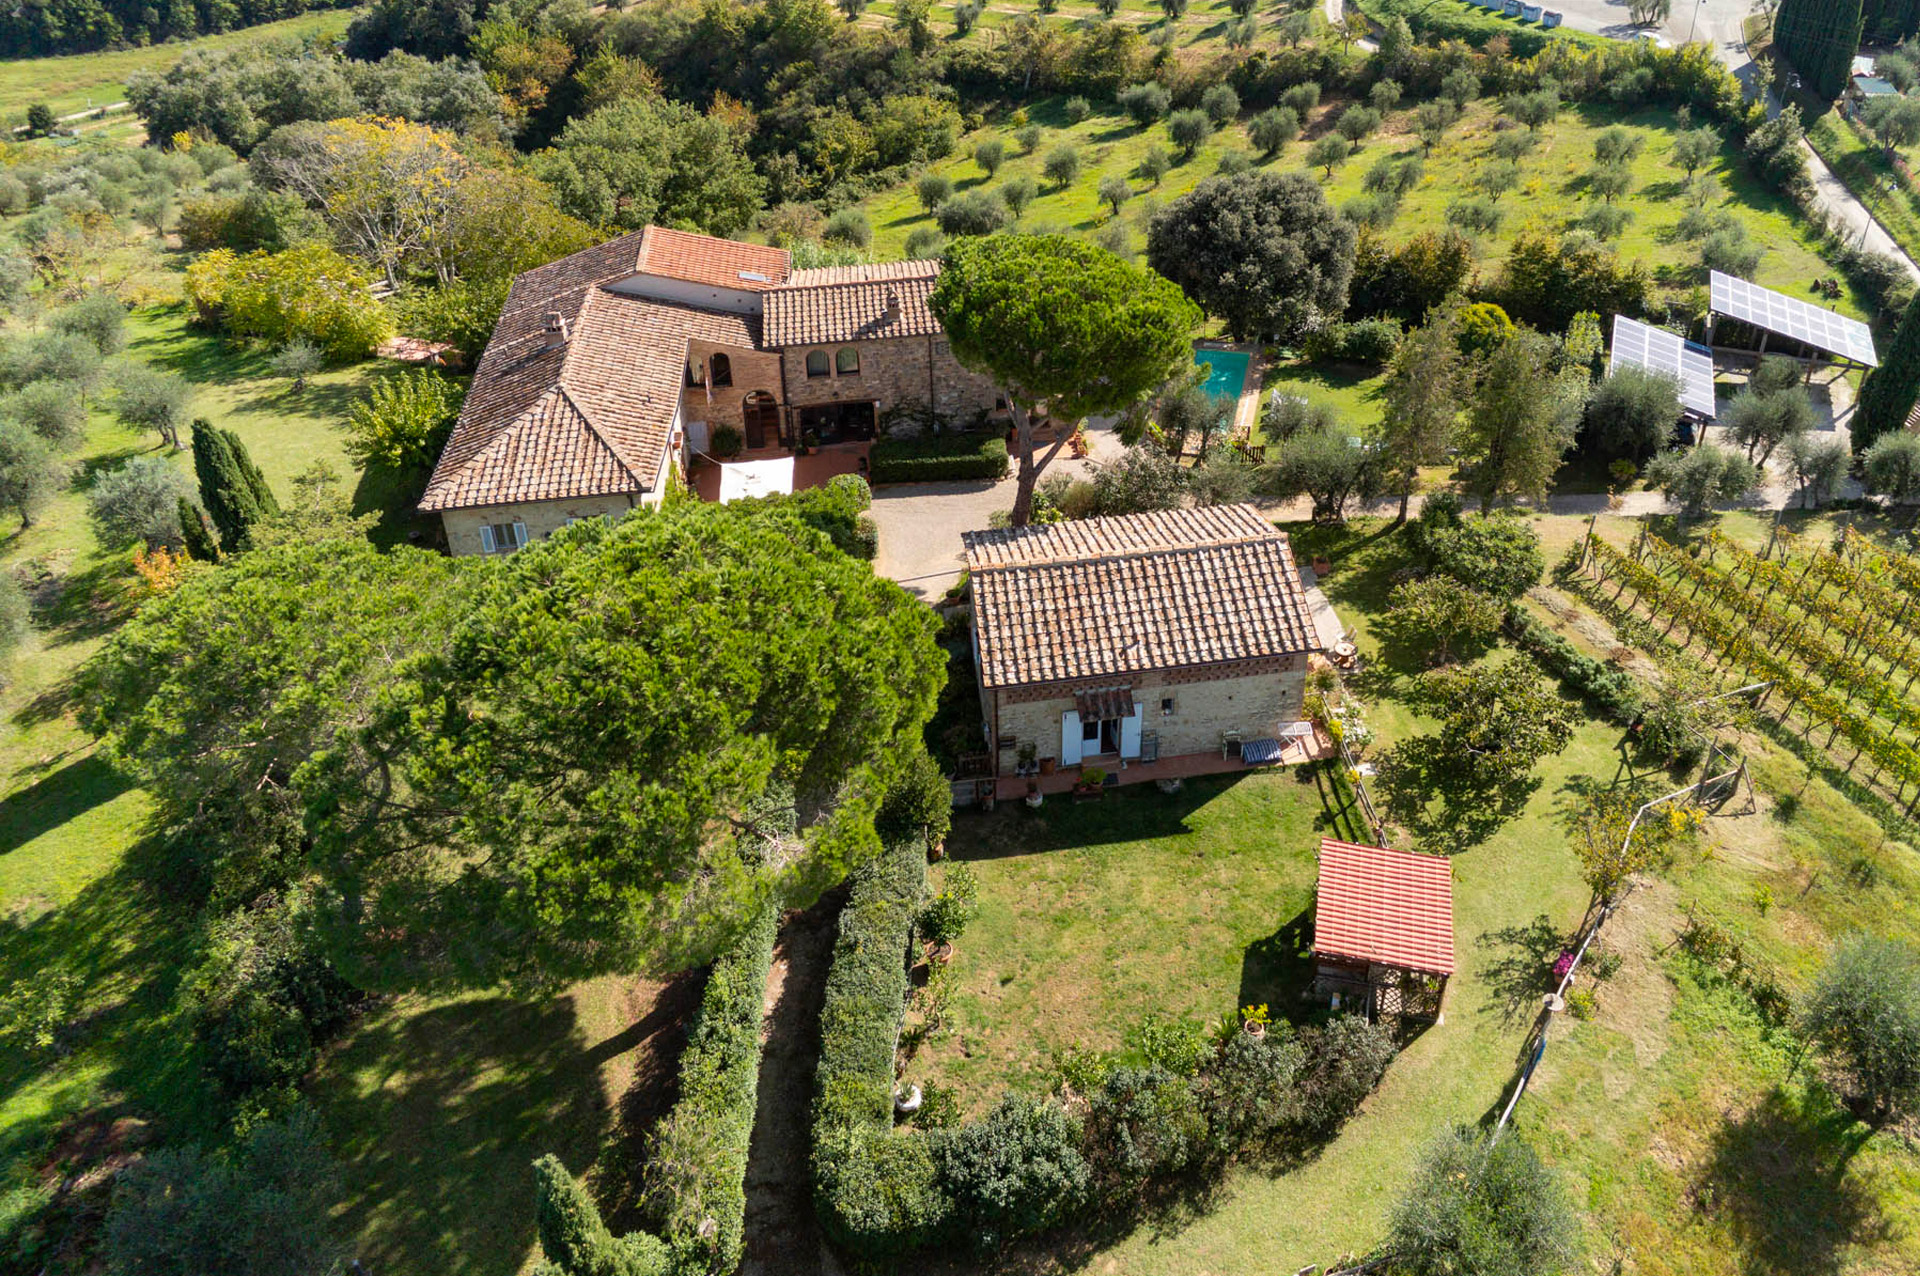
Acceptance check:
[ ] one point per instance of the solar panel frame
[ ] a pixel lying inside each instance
(1790, 317)
(1640, 345)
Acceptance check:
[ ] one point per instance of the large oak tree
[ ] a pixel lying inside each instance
(1264, 251)
(1065, 328)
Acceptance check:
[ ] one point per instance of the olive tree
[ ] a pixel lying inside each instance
(1863, 1015)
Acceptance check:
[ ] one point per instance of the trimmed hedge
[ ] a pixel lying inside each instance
(697, 1157)
(1435, 22)
(1607, 687)
(937, 457)
(877, 1195)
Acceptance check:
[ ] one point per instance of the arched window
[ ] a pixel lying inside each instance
(847, 361)
(722, 369)
(816, 363)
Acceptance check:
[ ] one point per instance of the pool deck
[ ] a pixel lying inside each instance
(1247, 409)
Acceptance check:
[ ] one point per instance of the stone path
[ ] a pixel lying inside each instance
(782, 1236)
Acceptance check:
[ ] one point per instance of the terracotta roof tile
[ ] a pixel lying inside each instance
(1101, 597)
(849, 303)
(618, 376)
(1385, 906)
(718, 263)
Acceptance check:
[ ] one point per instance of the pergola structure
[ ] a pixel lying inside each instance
(1810, 334)
(1383, 931)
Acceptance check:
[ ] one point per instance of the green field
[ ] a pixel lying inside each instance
(1550, 193)
(84, 80)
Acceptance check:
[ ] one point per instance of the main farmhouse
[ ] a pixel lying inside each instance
(610, 372)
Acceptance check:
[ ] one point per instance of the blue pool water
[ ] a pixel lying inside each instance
(1226, 371)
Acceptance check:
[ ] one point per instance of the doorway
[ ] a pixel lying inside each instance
(1099, 736)
(761, 415)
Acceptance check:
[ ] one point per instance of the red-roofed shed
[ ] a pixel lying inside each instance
(1383, 929)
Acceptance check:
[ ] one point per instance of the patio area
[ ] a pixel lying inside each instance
(813, 470)
(1294, 751)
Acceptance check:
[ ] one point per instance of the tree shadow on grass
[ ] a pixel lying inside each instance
(57, 798)
(438, 1115)
(394, 495)
(1136, 813)
(1778, 1176)
(330, 400)
(1276, 970)
(1517, 968)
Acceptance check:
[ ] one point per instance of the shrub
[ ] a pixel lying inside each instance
(934, 189)
(298, 360)
(696, 1165)
(918, 803)
(1078, 109)
(310, 291)
(1498, 554)
(1356, 122)
(1139, 481)
(939, 457)
(404, 421)
(1221, 104)
(575, 1238)
(1607, 687)
(1695, 478)
(54, 410)
(140, 501)
(988, 155)
(1251, 1096)
(1475, 214)
(1273, 128)
(1015, 1172)
(1302, 98)
(976, 212)
(1366, 341)
(1483, 327)
(1062, 165)
(265, 997)
(849, 226)
(1144, 103)
(98, 318)
(1142, 1125)
(1863, 1013)
(727, 441)
(925, 243)
(36, 1012)
(463, 314)
(1018, 192)
(181, 1211)
(1483, 1206)
(1345, 1059)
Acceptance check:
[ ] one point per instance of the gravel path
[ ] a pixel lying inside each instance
(783, 1238)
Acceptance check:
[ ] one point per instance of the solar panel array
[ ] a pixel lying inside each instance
(1636, 345)
(1790, 317)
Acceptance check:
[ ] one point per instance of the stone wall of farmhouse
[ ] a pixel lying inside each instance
(1254, 698)
(898, 372)
(752, 370)
(543, 518)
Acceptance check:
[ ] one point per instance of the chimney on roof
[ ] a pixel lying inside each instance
(893, 306)
(556, 330)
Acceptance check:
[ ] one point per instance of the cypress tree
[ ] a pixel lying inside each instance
(197, 535)
(1820, 38)
(575, 1237)
(1890, 390)
(232, 488)
(1891, 21)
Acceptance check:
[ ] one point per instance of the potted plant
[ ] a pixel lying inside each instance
(1254, 1019)
(1047, 765)
(1092, 780)
(1034, 796)
(1026, 759)
(809, 440)
(947, 914)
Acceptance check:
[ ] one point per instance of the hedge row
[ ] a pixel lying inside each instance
(868, 1185)
(1435, 22)
(1607, 687)
(939, 457)
(697, 1157)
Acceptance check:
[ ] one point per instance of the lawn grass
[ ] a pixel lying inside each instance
(1094, 916)
(1551, 192)
(75, 82)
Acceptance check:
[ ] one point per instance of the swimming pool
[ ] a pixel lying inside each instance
(1226, 371)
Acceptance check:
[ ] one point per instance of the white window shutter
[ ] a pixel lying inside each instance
(1070, 738)
(1130, 733)
(486, 538)
(519, 533)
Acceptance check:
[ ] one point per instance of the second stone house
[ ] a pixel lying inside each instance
(1147, 645)
(612, 370)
